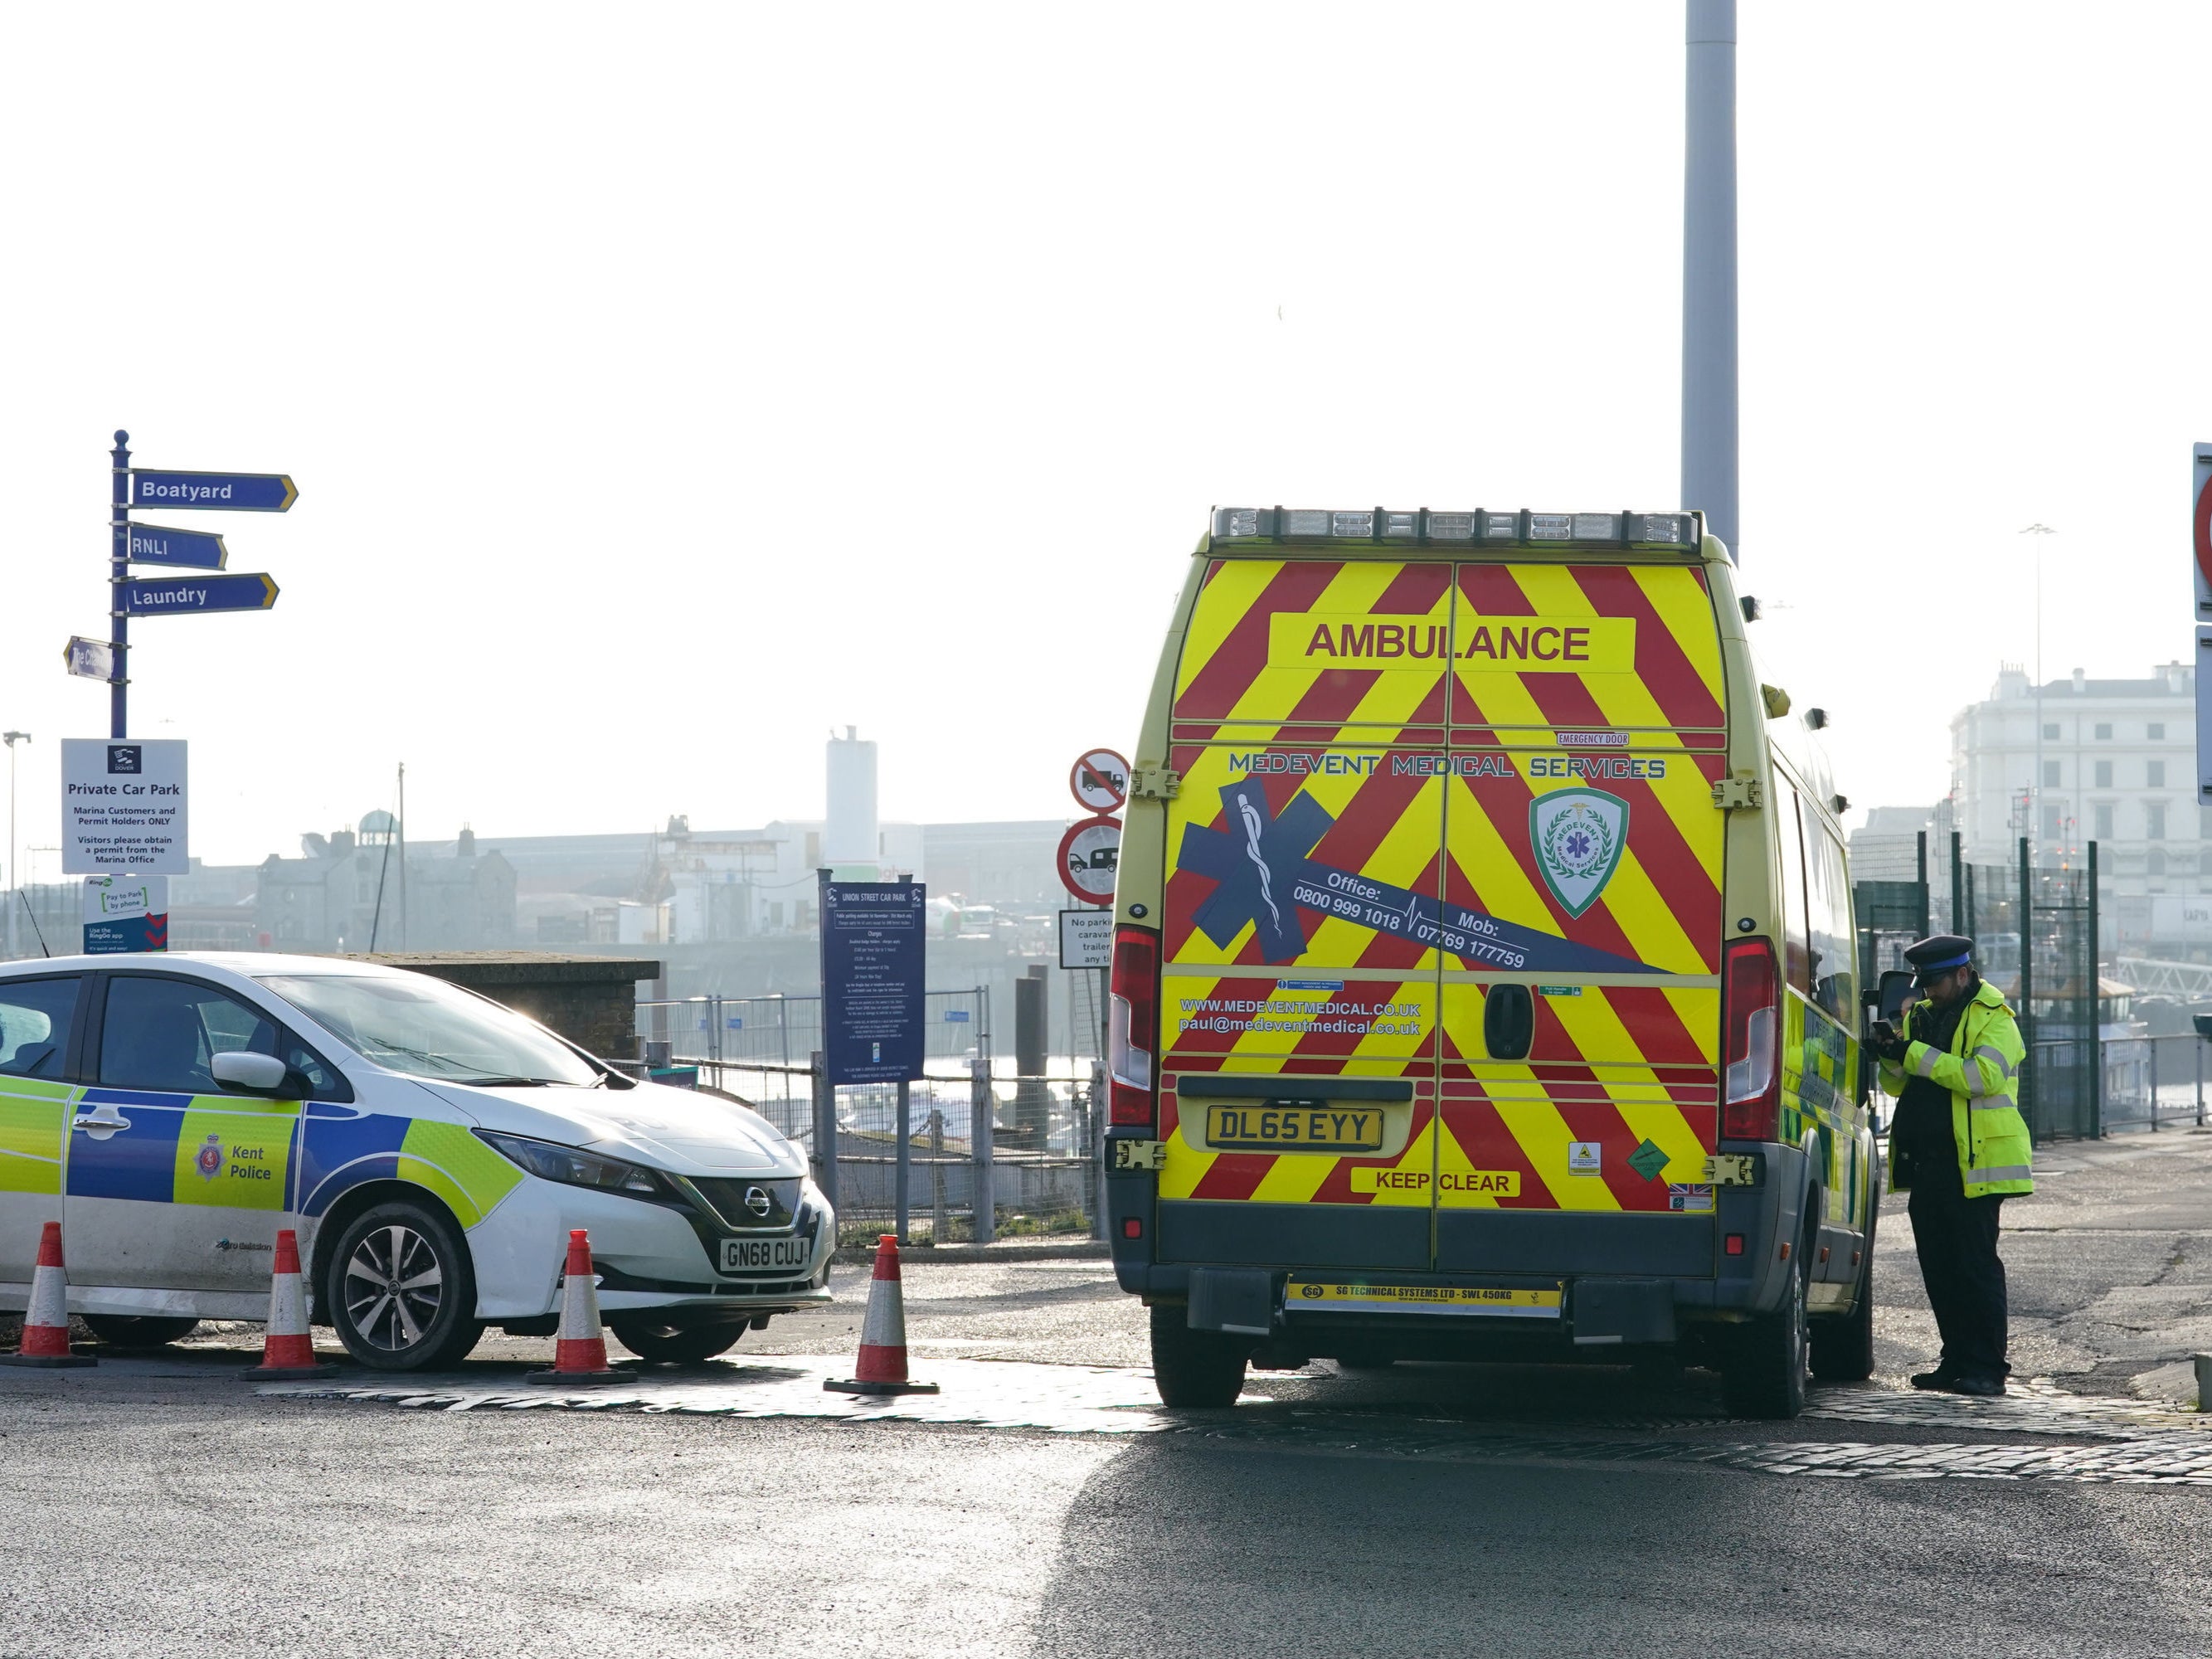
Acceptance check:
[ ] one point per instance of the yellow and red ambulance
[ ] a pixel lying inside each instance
(1483, 976)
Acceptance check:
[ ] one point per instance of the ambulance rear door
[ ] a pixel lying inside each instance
(1583, 920)
(1299, 982)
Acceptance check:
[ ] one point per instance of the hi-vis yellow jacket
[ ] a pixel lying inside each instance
(1982, 1071)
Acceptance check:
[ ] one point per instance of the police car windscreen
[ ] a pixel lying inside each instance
(431, 1030)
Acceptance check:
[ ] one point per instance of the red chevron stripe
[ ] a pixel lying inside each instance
(1234, 1175)
(1242, 655)
(1667, 673)
(1486, 1144)
(1336, 1186)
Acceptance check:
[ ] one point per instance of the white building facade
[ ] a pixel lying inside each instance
(2080, 760)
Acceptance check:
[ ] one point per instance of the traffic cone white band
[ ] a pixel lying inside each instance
(45, 1322)
(580, 1346)
(287, 1348)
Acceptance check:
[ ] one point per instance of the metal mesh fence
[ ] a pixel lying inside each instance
(1038, 1159)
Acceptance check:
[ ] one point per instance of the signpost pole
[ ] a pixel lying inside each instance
(119, 572)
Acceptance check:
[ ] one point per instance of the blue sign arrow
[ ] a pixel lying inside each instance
(154, 544)
(170, 595)
(215, 492)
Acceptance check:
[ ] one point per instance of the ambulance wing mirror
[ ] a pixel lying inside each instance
(1892, 993)
(256, 1074)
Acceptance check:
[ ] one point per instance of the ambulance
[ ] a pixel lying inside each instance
(1483, 976)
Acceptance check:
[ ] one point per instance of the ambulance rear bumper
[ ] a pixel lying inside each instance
(1626, 1278)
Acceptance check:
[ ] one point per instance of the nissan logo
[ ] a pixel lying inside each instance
(757, 1200)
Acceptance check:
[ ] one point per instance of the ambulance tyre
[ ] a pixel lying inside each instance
(139, 1330)
(1764, 1373)
(414, 1246)
(1195, 1368)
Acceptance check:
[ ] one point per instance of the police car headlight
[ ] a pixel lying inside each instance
(576, 1168)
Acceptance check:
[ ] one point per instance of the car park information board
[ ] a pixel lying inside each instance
(873, 966)
(123, 806)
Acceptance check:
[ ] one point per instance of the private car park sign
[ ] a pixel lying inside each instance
(873, 938)
(123, 807)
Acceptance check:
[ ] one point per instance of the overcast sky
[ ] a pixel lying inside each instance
(664, 386)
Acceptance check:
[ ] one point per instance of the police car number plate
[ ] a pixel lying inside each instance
(1323, 1296)
(788, 1254)
(1294, 1126)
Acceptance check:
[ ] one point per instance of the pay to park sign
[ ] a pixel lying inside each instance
(123, 807)
(873, 961)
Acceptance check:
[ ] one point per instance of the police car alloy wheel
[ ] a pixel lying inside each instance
(401, 1292)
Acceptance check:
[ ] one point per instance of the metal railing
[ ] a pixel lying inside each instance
(2152, 1082)
(987, 1150)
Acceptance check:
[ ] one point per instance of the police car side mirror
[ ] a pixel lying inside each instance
(258, 1074)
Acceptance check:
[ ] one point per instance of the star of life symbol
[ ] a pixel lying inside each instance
(208, 1160)
(1577, 836)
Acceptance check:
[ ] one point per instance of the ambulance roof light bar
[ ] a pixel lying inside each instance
(1682, 531)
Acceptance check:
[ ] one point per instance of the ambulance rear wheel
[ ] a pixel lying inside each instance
(401, 1291)
(1763, 1372)
(139, 1330)
(1195, 1368)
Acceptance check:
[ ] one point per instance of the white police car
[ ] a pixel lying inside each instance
(432, 1148)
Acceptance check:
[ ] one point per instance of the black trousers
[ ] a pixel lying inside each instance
(1956, 1237)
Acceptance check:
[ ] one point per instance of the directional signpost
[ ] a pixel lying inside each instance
(133, 544)
(195, 550)
(166, 596)
(214, 492)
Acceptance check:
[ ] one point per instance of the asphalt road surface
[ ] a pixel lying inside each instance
(1043, 1504)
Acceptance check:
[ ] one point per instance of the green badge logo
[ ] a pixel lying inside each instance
(1648, 1159)
(1578, 836)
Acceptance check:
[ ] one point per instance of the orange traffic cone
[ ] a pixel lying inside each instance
(882, 1365)
(46, 1322)
(580, 1352)
(287, 1351)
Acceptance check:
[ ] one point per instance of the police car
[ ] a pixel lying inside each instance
(432, 1148)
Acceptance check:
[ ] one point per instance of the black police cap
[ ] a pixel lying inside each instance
(1940, 954)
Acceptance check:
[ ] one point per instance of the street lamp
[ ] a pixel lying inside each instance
(15, 876)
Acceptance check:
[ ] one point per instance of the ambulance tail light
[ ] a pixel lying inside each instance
(1751, 1013)
(1132, 1026)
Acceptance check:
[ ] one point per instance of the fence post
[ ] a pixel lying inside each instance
(1920, 850)
(905, 1156)
(1094, 1150)
(2031, 1074)
(936, 1174)
(1962, 920)
(825, 1128)
(2153, 1085)
(2097, 1014)
(2199, 1047)
(983, 1200)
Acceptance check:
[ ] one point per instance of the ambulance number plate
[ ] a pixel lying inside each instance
(788, 1254)
(1294, 1126)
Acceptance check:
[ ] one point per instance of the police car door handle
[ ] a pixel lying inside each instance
(101, 1122)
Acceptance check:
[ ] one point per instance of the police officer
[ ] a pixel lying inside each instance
(1958, 1147)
